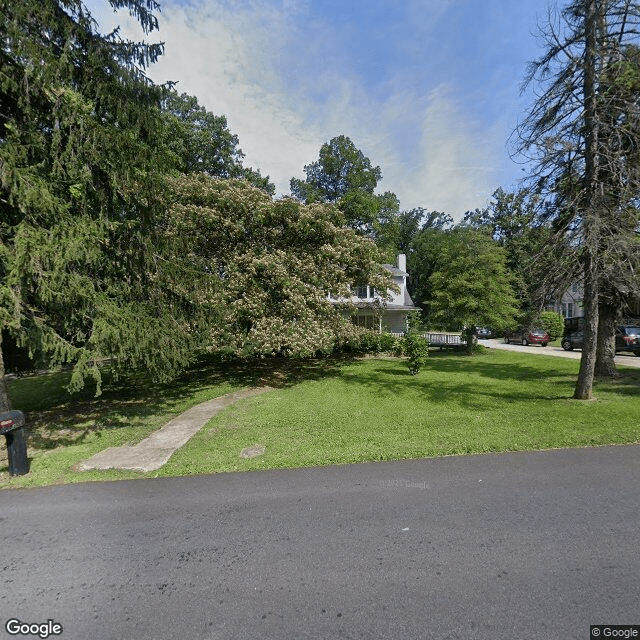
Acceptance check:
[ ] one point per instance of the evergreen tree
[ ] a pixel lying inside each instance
(582, 135)
(83, 277)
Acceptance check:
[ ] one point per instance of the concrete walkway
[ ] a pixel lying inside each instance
(153, 452)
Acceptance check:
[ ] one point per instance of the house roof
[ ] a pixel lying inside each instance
(394, 270)
(407, 304)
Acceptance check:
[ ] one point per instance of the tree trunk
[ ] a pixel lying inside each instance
(5, 403)
(468, 335)
(606, 348)
(590, 212)
(584, 386)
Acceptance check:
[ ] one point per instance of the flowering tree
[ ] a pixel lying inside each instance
(269, 265)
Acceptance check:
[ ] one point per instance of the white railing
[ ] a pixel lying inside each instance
(438, 338)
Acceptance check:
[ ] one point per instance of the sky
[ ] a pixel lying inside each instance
(429, 90)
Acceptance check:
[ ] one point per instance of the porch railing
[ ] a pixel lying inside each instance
(438, 338)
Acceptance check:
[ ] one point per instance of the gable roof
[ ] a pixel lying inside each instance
(394, 270)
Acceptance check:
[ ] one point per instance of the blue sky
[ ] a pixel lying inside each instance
(429, 90)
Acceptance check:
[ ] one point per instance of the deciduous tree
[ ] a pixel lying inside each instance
(422, 255)
(510, 219)
(202, 142)
(275, 262)
(470, 285)
(344, 176)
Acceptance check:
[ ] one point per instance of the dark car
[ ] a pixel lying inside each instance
(527, 336)
(573, 340)
(628, 339)
(484, 332)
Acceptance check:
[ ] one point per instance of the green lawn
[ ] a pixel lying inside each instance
(334, 413)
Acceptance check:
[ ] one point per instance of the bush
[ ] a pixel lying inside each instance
(552, 323)
(388, 342)
(417, 351)
(369, 342)
(479, 349)
(400, 347)
(361, 341)
(358, 341)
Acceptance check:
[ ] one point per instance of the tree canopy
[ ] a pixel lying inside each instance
(341, 169)
(471, 283)
(275, 262)
(80, 190)
(344, 176)
(511, 220)
(202, 142)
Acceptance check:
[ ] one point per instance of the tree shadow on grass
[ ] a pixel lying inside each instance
(440, 381)
(398, 378)
(627, 384)
(279, 373)
(57, 418)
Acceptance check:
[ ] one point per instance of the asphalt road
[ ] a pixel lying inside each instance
(516, 546)
(625, 359)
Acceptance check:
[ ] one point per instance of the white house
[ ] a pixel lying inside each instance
(384, 315)
(570, 303)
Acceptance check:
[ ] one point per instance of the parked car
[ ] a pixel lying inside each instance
(527, 336)
(628, 339)
(484, 332)
(573, 324)
(573, 340)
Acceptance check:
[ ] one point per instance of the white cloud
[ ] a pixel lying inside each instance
(233, 60)
(455, 164)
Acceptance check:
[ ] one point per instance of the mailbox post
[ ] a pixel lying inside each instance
(12, 428)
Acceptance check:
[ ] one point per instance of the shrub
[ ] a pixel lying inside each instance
(356, 340)
(479, 349)
(388, 342)
(369, 342)
(417, 350)
(400, 347)
(552, 323)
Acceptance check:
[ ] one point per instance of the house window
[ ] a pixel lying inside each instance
(368, 322)
(361, 291)
(570, 310)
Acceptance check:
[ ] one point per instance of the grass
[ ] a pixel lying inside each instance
(332, 413)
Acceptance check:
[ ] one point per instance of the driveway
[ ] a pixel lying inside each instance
(627, 360)
(520, 546)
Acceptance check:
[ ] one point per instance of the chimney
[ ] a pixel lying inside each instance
(402, 262)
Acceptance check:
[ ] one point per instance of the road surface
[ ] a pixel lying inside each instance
(524, 546)
(622, 359)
